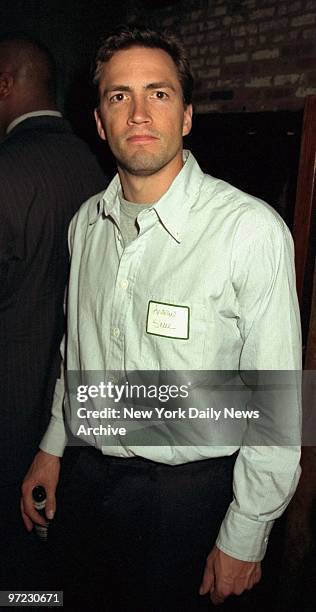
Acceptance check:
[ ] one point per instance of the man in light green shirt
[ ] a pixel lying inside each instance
(198, 278)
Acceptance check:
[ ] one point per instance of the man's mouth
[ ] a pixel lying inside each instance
(141, 139)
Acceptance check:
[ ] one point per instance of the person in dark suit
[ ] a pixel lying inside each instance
(46, 172)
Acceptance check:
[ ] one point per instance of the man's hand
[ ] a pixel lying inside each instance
(225, 575)
(43, 471)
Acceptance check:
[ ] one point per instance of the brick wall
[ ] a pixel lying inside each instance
(250, 55)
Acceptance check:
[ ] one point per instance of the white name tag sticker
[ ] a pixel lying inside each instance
(169, 320)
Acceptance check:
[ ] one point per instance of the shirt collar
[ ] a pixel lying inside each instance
(172, 208)
(40, 113)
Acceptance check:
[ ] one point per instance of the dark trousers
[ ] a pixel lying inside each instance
(24, 560)
(133, 535)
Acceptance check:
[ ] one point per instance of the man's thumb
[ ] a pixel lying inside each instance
(50, 507)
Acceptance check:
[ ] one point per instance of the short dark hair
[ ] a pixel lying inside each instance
(125, 37)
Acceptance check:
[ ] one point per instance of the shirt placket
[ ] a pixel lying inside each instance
(127, 273)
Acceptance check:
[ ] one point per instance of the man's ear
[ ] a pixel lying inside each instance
(98, 121)
(6, 84)
(187, 120)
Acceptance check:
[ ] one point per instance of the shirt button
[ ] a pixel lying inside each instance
(124, 284)
(116, 332)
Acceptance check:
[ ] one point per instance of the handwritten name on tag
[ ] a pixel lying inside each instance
(168, 320)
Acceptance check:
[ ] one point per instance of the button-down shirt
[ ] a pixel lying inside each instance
(228, 258)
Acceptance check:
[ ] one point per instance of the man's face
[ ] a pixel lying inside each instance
(142, 113)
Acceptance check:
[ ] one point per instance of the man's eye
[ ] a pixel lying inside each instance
(160, 95)
(117, 97)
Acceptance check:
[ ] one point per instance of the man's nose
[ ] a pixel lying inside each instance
(139, 112)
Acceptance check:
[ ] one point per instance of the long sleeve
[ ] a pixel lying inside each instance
(12, 240)
(55, 438)
(266, 473)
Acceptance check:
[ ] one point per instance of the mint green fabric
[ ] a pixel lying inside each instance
(226, 256)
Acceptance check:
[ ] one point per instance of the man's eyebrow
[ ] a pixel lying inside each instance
(160, 85)
(117, 88)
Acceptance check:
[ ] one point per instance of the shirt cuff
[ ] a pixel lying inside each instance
(54, 440)
(242, 537)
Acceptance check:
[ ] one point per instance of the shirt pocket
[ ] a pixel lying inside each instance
(180, 353)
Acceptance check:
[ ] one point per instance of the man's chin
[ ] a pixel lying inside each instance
(142, 164)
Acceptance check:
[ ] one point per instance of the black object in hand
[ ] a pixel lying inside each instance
(39, 499)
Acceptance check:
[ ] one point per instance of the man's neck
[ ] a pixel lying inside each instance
(149, 188)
